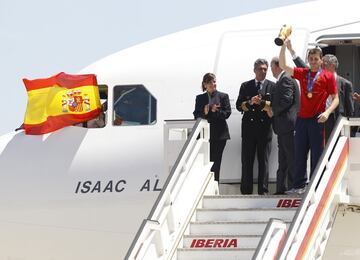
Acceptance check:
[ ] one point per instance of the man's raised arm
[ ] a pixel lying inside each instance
(282, 60)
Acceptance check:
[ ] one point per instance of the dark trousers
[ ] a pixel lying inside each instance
(286, 160)
(216, 151)
(308, 134)
(250, 145)
(329, 126)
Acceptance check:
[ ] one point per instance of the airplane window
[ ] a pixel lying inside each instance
(133, 105)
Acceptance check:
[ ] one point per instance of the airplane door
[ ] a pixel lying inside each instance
(234, 63)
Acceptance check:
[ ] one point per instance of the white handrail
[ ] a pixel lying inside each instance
(170, 184)
(160, 233)
(274, 234)
(320, 206)
(323, 174)
(310, 204)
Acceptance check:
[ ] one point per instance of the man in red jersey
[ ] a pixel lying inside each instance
(315, 87)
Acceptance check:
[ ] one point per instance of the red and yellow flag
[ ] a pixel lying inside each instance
(60, 101)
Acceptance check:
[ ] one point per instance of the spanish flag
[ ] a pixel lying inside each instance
(60, 101)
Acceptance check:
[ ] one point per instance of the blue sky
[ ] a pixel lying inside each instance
(40, 38)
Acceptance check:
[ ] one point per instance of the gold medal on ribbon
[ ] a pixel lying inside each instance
(311, 85)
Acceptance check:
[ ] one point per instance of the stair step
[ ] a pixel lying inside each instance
(220, 241)
(252, 201)
(214, 254)
(252, 214)
(229, 228)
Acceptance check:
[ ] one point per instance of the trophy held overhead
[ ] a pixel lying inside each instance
(285, 32)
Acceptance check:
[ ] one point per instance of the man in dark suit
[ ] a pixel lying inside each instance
(345, 91)
(214, 106)
(254, 102)
(344, 88)
(284, 108)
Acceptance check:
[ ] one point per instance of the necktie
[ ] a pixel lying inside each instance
(258, 85)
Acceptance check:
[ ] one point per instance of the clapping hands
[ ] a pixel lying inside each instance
(213, 108)
(256, 100)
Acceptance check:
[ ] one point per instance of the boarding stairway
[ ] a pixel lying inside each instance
(231, 226)
(190, 220)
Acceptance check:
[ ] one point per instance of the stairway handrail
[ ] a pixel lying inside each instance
(198, 129)
(170, 190)
(274, 225)
(309, 195)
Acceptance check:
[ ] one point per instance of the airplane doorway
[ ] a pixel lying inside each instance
(234, 61)
(347, 49)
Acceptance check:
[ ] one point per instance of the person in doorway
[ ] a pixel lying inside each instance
(254, 102)
(99, 121)
(356, 97)
(316, 85)
(345, 92)
(284, 108)
(214, 106)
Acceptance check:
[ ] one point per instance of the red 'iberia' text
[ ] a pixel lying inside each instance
(288, 203)
(214, 243)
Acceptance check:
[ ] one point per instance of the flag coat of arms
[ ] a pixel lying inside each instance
(59, 101)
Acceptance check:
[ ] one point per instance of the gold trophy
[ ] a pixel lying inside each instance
(285, 32)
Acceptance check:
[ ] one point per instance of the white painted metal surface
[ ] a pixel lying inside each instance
(226, 226)
(273, 236)
(343, 242)
(82, 193)
(215, 254)
(308, 234)
(256, 214)
(333, 183)
(188, 180)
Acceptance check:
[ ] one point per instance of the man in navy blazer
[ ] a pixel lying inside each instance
(284, 107)
(254, 102)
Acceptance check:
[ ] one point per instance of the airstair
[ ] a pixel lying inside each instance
(191, 220)
(230, 227)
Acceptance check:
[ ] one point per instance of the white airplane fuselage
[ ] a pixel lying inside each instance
(82, 193)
